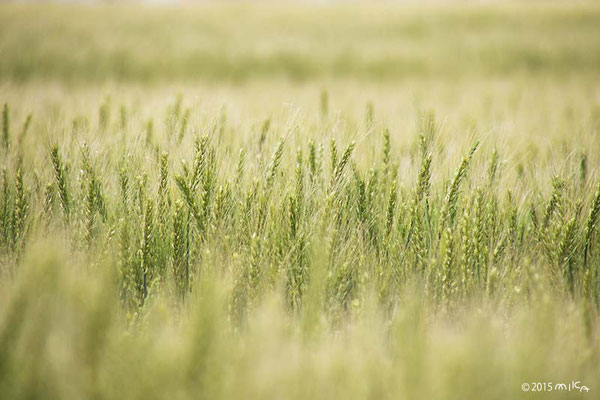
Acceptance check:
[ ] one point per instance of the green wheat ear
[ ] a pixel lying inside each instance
(387, 147)
(451, 199)
(333, 157)
(424, 179)
(240, 168)
(339, 168)
(21, 210)
(493, 167)
(312, 162)
(274, 165)
(5, 210)
(164, 199)
(590, 225)
(60, 176)
(558, 186)
(6, 127)
(391, 207)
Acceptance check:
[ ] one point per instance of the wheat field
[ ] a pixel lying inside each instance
(291, 201)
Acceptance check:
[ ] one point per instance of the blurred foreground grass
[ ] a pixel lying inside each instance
(64, 336)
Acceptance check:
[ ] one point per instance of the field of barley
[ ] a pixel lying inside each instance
(300, 201)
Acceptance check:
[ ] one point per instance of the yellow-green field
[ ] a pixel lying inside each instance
(300, 201)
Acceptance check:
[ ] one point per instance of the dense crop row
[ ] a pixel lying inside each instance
(311, 223)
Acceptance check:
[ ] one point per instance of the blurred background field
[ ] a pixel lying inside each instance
(243, 42)
(113, 111)
(524, 70)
